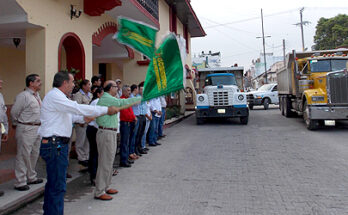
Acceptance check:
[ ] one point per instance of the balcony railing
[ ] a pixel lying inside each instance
(151, 6)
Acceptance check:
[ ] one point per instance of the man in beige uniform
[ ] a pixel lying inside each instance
(83, 96)
(25, 114)
(3, 123)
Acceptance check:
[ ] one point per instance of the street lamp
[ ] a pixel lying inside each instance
(263, 42)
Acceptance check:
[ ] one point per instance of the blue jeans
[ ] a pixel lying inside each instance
(161, 122)
(143, 139)
(124, 146)
(153, 129)
(132, 136)
(56, 156)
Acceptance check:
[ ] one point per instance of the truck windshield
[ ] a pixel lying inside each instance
(220, 80)
(328, 65)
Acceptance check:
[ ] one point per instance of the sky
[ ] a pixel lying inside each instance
(232, 26)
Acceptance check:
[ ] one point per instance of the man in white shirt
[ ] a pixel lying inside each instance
(58, 113)
(155, 108)
(3, 123)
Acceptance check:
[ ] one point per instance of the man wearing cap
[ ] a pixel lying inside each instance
(25, 114)
(3, 123)
(107, 140)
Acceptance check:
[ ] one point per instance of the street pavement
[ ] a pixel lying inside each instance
(273, 165)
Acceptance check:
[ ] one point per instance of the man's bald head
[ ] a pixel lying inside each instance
(110, 87)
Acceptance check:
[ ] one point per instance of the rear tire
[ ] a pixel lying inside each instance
(281, 105)
(287, 107)
(311, 124)
(266, 102)
(244, 120)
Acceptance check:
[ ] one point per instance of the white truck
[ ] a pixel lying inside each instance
(265, 95)
(221, 98)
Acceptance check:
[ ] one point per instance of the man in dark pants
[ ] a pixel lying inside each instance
(126, 118)
(141, 121)
(58, 113)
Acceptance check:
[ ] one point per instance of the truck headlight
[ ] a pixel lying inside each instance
(241, 97)
(317, 98)
(200, 98)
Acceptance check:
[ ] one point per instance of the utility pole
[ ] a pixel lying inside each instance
(264, 49)
(301, 24)
(284, 51)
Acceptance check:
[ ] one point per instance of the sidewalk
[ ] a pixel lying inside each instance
(14, 199)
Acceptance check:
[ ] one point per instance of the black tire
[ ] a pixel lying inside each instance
(266, 102)
(199, 121)
(287, 107)
(244, 120)
(251, 107)
(281, 105)
(311, 124)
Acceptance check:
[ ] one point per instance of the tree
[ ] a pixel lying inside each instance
(331, 33)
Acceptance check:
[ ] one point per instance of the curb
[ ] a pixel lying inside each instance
(176, 121)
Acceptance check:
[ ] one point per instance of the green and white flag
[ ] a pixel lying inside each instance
(136, 35)
(165, 73)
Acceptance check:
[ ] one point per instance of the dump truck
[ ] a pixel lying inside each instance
(314, 85)
(221, 98)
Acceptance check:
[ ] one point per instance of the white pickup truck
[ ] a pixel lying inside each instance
(265, 95)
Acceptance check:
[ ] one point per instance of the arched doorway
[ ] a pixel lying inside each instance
(71, 55)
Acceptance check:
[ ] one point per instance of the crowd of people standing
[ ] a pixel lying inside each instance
(100, 113)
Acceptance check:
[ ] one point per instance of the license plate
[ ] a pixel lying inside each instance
(221, 111)
(329, 122)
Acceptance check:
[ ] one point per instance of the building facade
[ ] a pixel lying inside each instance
(45, 36)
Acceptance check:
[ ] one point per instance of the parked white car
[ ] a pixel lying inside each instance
(265, 95)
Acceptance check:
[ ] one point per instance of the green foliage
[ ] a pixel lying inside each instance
(172, 111)
(331, 33)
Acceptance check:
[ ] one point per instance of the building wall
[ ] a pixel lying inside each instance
(54, 17)
(12, 72)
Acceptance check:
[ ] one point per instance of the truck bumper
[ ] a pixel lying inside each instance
(254, 101)
(328, 113)
(222, 112)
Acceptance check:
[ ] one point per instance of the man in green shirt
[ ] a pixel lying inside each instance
(107, 139)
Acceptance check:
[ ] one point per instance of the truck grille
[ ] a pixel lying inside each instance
(250, 97)
(220, 98)
(338, 87)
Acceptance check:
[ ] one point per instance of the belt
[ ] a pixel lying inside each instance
(30, 123)
(57, 138)
(111, 129)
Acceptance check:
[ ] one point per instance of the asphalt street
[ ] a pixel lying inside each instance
(273, 165)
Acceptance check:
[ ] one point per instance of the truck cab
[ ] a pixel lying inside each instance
(267, 94)
(315, 85)
(221, 98)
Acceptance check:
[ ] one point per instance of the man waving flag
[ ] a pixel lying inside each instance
(165, 73)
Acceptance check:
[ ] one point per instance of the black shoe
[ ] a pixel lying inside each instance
(158, 144)
(147, 149)
(143, 151)
(1, 193)
(84, 163)
(37, 181)
(125, 165)
(152, 145)
(130, 161)
(22, 188)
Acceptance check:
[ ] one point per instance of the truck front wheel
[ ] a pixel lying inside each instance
(199, 121)
(244, 120)
(311, 124)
